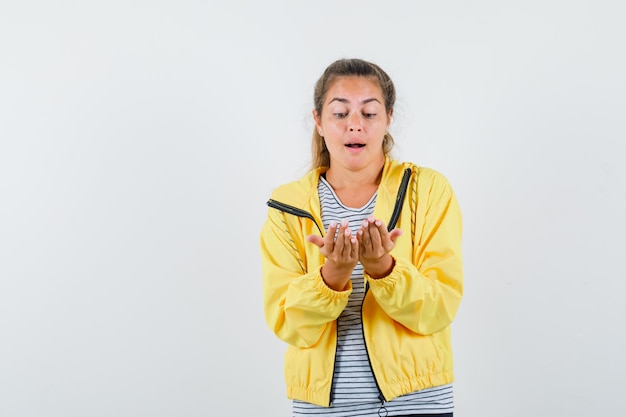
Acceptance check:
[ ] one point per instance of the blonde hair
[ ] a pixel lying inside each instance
(349, 68)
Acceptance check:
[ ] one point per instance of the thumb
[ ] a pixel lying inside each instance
(395, 234)
(316, 240)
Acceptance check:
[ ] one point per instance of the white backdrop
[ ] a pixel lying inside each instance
(139, 142)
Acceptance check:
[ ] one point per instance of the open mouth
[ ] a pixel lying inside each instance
(355, 145)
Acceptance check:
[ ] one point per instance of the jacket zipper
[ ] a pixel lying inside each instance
(404, 184)
(392, 223)
(332, 378)
(381, 396)
(293, 210)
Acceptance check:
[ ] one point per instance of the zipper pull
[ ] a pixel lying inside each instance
(382, 411)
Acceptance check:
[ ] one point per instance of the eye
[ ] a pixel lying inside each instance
(340, 115)
(369, 115)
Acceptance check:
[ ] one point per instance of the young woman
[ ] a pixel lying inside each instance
(361, 259)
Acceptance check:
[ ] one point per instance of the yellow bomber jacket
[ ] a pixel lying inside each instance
(406, 315)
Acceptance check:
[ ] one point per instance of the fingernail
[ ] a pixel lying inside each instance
(333, 223)
(344, 223)
(347, 232)
(365, 223)
(378, 223)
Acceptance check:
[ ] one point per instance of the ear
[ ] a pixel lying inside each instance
(318, 122)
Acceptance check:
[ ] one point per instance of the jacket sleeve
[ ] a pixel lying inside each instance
(298, 305)
(424, 293)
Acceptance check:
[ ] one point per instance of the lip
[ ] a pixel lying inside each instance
(355, 149)
(354, 142)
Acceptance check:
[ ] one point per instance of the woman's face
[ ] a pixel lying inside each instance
(353, 123)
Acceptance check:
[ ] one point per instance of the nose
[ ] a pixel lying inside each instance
(354, 123)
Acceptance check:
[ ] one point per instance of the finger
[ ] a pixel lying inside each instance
(354, 246)
(329, 239)
(347, 244)
(366, 242)
(380, 225)
(388, 238)
(316, 240)
(376, 234)
(395, 234)
(332, 230)
(345, 247)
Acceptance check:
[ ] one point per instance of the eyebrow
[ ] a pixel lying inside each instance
(343, 100)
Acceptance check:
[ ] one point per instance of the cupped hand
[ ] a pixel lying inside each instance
(341, 253)
(375, 243)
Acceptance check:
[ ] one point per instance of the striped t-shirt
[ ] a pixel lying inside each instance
(354, 390)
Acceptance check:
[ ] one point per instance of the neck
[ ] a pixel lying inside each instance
(342, 178)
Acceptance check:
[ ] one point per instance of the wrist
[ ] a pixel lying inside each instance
(382, 268)
(335, 278)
